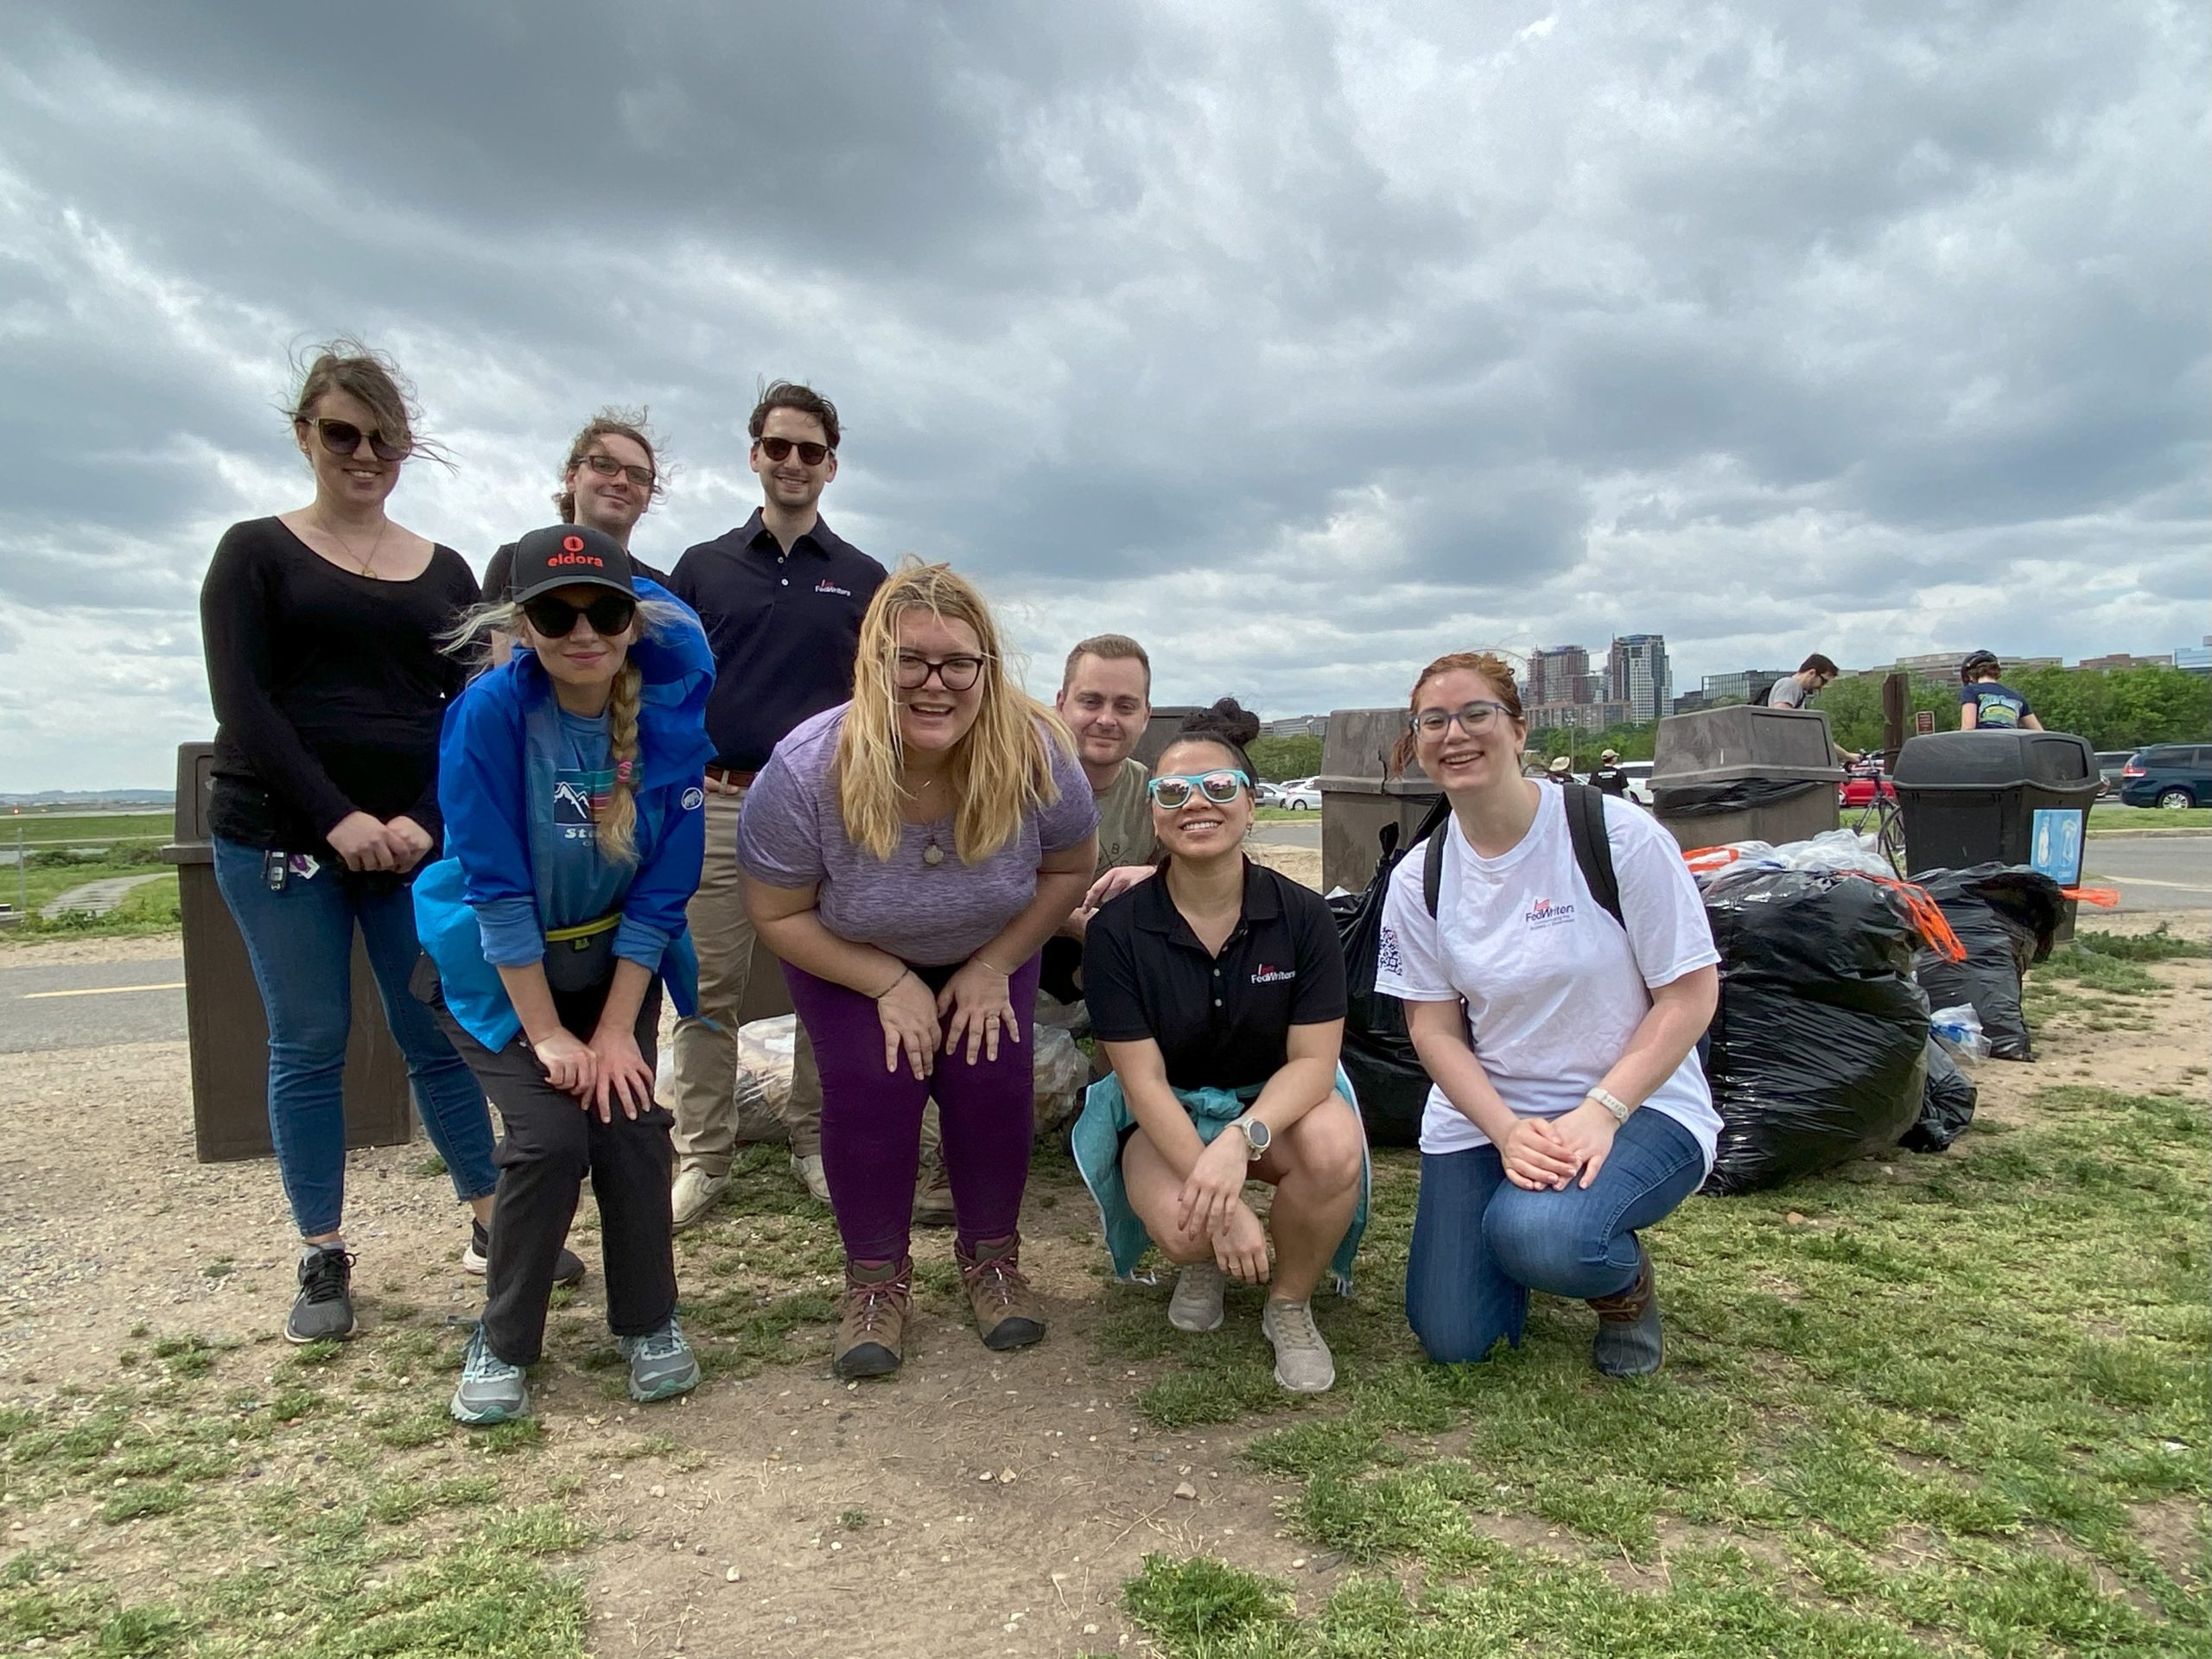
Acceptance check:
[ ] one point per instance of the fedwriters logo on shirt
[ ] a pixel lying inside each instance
(826, 586)
(1268, 974)
(1545, 913)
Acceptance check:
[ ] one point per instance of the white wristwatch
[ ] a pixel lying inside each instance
(1258, 1137)
(1612, 1101)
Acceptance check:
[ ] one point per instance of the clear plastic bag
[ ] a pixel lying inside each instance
(1958, 1029)
(1834, 849)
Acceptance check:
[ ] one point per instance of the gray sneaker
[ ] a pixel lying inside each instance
(1196, 1305)
(491, 1391)
(1303, 1363)
(695, 1195)
(662, 1364)
(807, 1166)
(323, 1309)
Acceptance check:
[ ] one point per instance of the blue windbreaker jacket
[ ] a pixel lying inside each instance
(483, 791)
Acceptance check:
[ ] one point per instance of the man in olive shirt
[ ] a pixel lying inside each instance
(1105, 696)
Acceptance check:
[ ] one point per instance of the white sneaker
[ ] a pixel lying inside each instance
(808, 1167)
(1303, 1363)
(1196, 1305)
(695, 1194)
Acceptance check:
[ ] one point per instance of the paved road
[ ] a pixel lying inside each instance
(97, 898)
(102, 1004)
(2152, 872)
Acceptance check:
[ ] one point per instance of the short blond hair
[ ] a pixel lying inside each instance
(1108, 647)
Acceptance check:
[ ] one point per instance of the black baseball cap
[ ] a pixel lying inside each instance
(569, 555)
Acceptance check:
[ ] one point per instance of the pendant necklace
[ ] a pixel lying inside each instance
(368, 564)
(932, 855)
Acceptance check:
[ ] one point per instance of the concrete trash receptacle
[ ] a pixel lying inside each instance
(1358, 795)
(1779, 761)
(2003, 796)
(228, 1031)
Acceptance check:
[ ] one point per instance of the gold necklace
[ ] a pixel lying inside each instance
(375, 547)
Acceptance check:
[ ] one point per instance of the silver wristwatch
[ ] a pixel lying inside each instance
(1258, 1137)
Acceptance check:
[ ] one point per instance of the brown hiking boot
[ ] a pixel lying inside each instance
(871, 1334)
(1006, 1313)
(932, 1193)
(1629, 1341)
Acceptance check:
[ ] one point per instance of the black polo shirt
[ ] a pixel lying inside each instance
(1221, 1022)
(785, 628)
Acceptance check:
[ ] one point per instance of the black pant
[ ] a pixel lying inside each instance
(549, 1143)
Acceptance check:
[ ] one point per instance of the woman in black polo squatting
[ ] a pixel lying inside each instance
(1218, 994)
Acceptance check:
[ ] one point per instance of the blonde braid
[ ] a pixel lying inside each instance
(618, 824)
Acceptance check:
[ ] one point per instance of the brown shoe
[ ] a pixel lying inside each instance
(1630, 1343)
(871, 1334)
(932, 1193)
(1006, 1313)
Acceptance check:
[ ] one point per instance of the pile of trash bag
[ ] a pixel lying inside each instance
(2006, 916)
(1820, 1044)
(1378, 1056)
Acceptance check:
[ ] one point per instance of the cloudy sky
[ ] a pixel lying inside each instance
(1303, 342)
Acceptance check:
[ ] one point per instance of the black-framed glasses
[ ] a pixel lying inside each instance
(912, 670)
(608, 467)
(555, 618)
(344, 438)
(1172, 793)
(1475, 718)
(781, 450)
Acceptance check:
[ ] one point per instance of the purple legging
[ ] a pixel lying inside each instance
(872, 1118)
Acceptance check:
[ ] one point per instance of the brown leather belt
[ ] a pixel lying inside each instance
(723, 777)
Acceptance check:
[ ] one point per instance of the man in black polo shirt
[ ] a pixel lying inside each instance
(781, 597)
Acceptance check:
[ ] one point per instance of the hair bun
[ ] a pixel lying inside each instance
(1227, 718)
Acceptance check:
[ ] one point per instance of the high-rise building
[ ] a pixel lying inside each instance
(1637, 674)
(1739, 686)
(1558, 674)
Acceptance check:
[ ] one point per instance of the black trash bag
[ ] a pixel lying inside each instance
(1710, 800)
(1946, 1106)
(1378, 1056)
(2006, 916)
(1818, 1044)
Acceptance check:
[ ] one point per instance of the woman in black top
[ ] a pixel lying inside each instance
(1218, 994)
(321, 632)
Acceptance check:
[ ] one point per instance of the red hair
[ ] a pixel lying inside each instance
(1488, 664)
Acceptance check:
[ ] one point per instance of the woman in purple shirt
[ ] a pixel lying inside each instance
(906, 854)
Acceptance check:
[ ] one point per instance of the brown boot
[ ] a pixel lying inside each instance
(871, 1335)
(1629, 1340)
(1006, 1313)
(932, 1192)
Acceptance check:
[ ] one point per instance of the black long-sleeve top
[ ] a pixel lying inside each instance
(329, 687)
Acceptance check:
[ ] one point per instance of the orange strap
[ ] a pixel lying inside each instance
(2104, 897)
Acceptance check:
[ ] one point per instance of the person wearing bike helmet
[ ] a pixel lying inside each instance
(1985, 702)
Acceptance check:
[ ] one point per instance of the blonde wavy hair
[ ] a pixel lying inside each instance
(1000, 771)
(617, 821)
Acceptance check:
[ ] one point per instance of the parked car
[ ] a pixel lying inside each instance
(1267, 794)
(1639, 781)
(2171, 775)
(1861, 789)
(1300, 795)
(2111, 763)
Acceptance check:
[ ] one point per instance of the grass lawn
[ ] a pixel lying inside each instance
(2149, 818)
(87, 828)
(1285, 814)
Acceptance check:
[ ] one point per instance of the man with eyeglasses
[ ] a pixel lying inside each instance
(1816, 674)
(781, 597)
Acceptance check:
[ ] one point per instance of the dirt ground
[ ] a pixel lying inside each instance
(979, 1503)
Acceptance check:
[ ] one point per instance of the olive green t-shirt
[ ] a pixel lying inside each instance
(1125, 819)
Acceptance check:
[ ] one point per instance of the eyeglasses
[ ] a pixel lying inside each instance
(1474, 718)
(555, 618)
(953, 673)
(608, 467)
(344, 438)
(781, 450)
(1173, 794)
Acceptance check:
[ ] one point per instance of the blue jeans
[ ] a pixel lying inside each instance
(299, 939)
(1481, 1245)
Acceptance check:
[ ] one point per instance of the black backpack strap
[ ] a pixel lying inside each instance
(1432, 867)
(1593, 850)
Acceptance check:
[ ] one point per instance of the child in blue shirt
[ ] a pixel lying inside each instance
(571, 787)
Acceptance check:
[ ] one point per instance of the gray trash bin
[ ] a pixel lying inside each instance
(223, 1015)
(2011, 796)
(1779, 758)
(1358, 797)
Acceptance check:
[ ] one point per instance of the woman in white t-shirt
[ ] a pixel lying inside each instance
(1568, 1109)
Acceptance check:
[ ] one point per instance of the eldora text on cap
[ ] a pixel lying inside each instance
(569, 555)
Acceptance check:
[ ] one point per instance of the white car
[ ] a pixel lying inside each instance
(1300, 795)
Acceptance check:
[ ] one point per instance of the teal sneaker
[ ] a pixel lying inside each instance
(491, 1391)
(662, 1364)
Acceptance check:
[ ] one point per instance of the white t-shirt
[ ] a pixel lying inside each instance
(1554, 988)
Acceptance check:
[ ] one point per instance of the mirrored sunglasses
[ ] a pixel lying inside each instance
(1172, 793)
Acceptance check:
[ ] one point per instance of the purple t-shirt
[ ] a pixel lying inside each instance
(792, 835)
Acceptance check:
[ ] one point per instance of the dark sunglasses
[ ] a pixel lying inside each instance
(953, 673)
(344, 438)
(1172, 793)
(608, 467)
(780, 448)
(555, 618)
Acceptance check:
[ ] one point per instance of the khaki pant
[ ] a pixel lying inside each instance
(707, 1126)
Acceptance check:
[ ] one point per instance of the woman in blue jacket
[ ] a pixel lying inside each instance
(570, 783)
